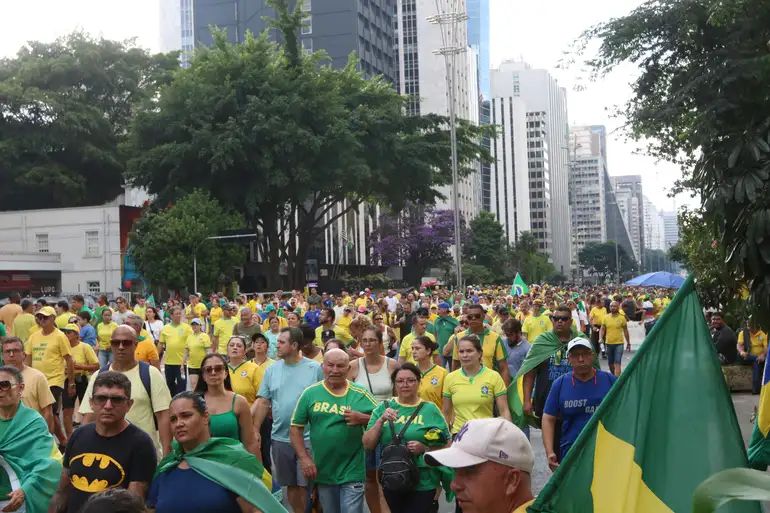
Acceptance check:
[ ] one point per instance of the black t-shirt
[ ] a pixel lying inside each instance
(726, 344)
(96, 463)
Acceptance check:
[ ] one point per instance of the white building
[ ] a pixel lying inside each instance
(670, 229)
(547, 139)
(628, 191)
(588, 185)
(654, 227)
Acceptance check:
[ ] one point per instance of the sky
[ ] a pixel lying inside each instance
(537, 32)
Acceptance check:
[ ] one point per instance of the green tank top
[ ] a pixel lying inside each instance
(225, 425)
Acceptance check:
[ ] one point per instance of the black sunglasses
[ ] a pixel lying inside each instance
(213, 369)
(101, 400)
(7, 385)
(557, 318)
(121, 342)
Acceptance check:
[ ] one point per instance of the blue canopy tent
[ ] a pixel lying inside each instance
(657, 279)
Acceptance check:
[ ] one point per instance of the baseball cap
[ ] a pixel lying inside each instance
(444, 305)
(362, 309)
(480, 440)
(269, 308)
(47, 311)
(579, 342)
(196, 321)
(71, 327)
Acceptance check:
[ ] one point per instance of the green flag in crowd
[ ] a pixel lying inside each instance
(519, 288)
(667, 424)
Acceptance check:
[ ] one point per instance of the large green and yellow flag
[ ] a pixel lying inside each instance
(759, 447)
(667, 424)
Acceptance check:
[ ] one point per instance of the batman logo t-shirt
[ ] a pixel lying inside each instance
(96, 463)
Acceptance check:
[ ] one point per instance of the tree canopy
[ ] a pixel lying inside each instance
(601, 260)
(289, 141)
(65, 107)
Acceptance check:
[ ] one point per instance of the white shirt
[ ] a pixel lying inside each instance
(392, 304)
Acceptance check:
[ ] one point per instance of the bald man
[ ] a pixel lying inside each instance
(335, 412)
(148, 390)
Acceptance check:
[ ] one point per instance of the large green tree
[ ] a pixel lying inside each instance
(290, 142)
(602, 259)
(64, 109)
(527, 259)
(485, 244)
(702, 97)
(164, 241)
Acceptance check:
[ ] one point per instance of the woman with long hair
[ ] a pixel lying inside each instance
(245, 375)
(153, 323)
(431, 375)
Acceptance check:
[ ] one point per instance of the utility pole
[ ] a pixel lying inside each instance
(450, 14)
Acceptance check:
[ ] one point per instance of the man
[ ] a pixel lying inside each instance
(87, 331)
(223, 330)
(63, 314)
(101, 305)
(391, 301)
(537, 323)
(48, 351)
(150, 397)
(343, 322)
(502, 315)
(724, 339)
(195, 308)
(491, 343)
(36, 394)
(271, 313)
(121, 315)
(752, 349)
(78, 304)
(247, 327)
(493, 463)
(614, 329)
(314, 298)
(419, 329)
(9, 312)
(579, 317)
(109, 453)
(309, 349)
(336, 412)
(405, 320)
(24, 324)
(573, 399)
(313, 316)
(140, 308)
(327, 324)
(517, 345)
(282, 385)
(145, 346)
(629, 308)
(444, 327)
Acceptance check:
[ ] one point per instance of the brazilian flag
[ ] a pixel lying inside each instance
(759, 446)
(667, 424)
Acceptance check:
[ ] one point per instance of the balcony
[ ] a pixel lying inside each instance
(29, 261)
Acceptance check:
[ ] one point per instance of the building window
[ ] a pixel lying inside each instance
(307, 5)
(92, 243)
(307, 24)
(42, 242)
(94, 287)
(307, 45)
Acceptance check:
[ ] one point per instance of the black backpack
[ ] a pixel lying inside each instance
(398, 470)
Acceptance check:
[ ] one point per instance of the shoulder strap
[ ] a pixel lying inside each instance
(363, 361)
(144, 375)
(104, 368)
(232, 405)
(398, 438)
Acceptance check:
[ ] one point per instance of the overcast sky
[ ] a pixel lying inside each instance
(539, 32)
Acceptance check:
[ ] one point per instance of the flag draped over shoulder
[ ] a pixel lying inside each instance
(225, 462)
(759, 446)
(519, 287)
(667, 424)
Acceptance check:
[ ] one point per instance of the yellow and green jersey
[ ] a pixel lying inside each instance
(472, 397)
(432, 384)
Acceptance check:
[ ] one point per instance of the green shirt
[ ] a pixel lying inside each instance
(444, 329)
(338, 449)
(428, 427)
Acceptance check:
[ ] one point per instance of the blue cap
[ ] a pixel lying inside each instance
(444, 305)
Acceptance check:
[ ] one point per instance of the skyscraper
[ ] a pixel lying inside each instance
(588, 183)
(670, 229)
(478, 39)
(628, 191)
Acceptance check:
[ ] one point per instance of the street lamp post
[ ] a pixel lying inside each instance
(217, 237)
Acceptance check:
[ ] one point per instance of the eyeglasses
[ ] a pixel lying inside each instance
(7, 385)
(372, 340)
(213, 369)
(121, 343)
(101, 400)
(557, 318)
(474, 317)
(407, 381)
(12, 351)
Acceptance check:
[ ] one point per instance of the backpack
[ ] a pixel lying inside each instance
(398, 471)
(144, 375)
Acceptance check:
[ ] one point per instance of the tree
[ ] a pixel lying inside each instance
(485, 244)
(64, 109)
(527, 259)
(601, 259)
(164, 241)
(291, 142)
(702, 98)
(417, 237)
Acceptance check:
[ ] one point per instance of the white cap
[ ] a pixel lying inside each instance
(579, 342)
(481, 440)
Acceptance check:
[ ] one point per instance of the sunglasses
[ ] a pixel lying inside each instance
(7, 385)
(557, 318)
(472, 317)
(116, 400)
(121, 342)
(408, 381)
(213, 369)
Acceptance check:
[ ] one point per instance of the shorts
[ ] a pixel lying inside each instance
(614, 353)
(373, 458)
(57, 393)
(193, 372)
(286, 467)
(81, 384)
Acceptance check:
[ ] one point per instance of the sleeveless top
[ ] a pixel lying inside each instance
(381, 386)
(225, 424)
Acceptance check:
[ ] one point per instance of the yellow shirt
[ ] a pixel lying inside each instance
(197, 345)
(104, 334)
(282, 323)
(338, 333)
(596, 315)
(36, 394)
(613, 326)
(246, 379)
(472, 397)
(253, 305)
(267, 363)
(191, 313)
(63, 319)
(146, 351)
(431, 385)
(491, 348)
(534, 326)
(216, 314)
(48, 352)
(405, 350)
(758, 342)
(344, 322)
(23, 326)
(346, 300)
(174, 339)
(360, 301)
(223, 329)
(523, 507)
(141, 311)
(83, 354)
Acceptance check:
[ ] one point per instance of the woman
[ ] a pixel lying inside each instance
(333, 343)
(292, 319)
(84, 362)
(472, 391)
(357, 328)
(245, 375)
(260, 344)
(229, 412)
(431, 432)
(153, 324)
(373, 372)
(204, 474)
(272, 337)
(196, 346)
(431, 375)
(104, 335)
(32, 464)
(389, 339)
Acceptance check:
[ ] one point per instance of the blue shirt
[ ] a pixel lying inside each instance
(186, 491)
(516, 355)
(88, 335)
(282, 386)
(313, 318)
(574, 401)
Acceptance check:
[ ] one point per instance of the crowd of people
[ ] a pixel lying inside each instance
(388, 398)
